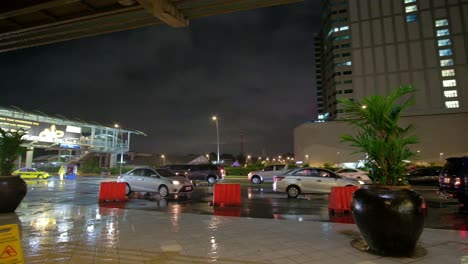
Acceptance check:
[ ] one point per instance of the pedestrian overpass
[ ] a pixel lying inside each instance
(63, 134)
(26, 24)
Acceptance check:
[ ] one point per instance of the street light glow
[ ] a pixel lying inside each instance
(215, 118)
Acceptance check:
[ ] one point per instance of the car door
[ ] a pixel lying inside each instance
(194, 173)
(305, 179)
(328, 180)
(268, 173)
(315, 180)
(30, 173)
(149, 181)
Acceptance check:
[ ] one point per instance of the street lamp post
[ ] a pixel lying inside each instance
(164, 160)
(217, 135)
(121, 147)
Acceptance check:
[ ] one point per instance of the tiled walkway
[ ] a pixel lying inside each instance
(76, 234)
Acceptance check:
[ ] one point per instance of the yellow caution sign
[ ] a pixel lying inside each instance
(10, 245)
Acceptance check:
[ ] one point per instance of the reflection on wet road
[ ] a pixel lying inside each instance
(257, 202)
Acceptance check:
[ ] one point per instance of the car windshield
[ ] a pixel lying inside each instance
(166, 173)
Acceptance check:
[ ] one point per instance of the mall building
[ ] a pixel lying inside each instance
(370, 47)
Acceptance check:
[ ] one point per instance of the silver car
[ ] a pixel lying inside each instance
(162, 181)
(310, 180)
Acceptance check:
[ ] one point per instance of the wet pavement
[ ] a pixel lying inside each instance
(62, 222)
(258, 201)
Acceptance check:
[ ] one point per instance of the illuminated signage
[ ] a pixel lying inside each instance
(43, 132)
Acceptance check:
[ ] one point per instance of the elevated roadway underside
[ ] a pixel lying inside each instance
(29, 23)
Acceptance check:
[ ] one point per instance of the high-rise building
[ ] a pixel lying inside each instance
(369, 47)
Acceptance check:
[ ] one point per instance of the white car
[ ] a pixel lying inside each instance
(162, 181)
(355, 174)
(310, 180)
(267, 174)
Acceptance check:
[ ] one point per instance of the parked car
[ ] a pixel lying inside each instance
(310, 180)
(206, 172)
(31, 173)
(179, 169)
(355, 174)
(453, 179)
(162, 181)
(267, 174)
(428, 175)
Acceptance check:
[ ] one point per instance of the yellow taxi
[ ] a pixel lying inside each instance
(30, 173)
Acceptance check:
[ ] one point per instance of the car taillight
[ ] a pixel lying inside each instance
(278, 178)
(457, 182)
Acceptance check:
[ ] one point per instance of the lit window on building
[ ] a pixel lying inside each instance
(345, 63)
(443, 32)
(448, 62)
(445, 52)
(451, 104)
(441, 23)
(341, 37)
(450, 94)
(449, 83)
(411, 18)
(411, 8)
(447, 73)
(444, 42)
(410, 1)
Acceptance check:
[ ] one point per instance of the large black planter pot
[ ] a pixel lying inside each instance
(12, 191)
(390, 221)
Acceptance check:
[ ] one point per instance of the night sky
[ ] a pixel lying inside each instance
(254, 70)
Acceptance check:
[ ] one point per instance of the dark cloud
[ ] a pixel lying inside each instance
(254, 69)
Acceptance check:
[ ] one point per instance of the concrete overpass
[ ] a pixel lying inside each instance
(29, 23)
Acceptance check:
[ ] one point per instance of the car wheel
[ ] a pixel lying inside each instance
(163, 191)
(256, 180)
(211, 179)
(127, 189)
(293, 191)
(40, 176)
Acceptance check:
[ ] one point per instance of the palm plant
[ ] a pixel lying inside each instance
(379, 135)
(10, 149)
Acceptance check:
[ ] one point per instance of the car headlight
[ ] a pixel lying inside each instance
(176, 182)
(361, 182)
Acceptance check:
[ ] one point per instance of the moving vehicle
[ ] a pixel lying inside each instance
(267, 174)
(31, 173)
(162, 181)
(206, 172)
(453, 179)
(310, 180)
(179, 169)
(428, 175)
(355, 174)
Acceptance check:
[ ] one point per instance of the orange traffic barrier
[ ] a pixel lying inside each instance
(112, 191)
(341, 218)
(226, 195)
(340, 199)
